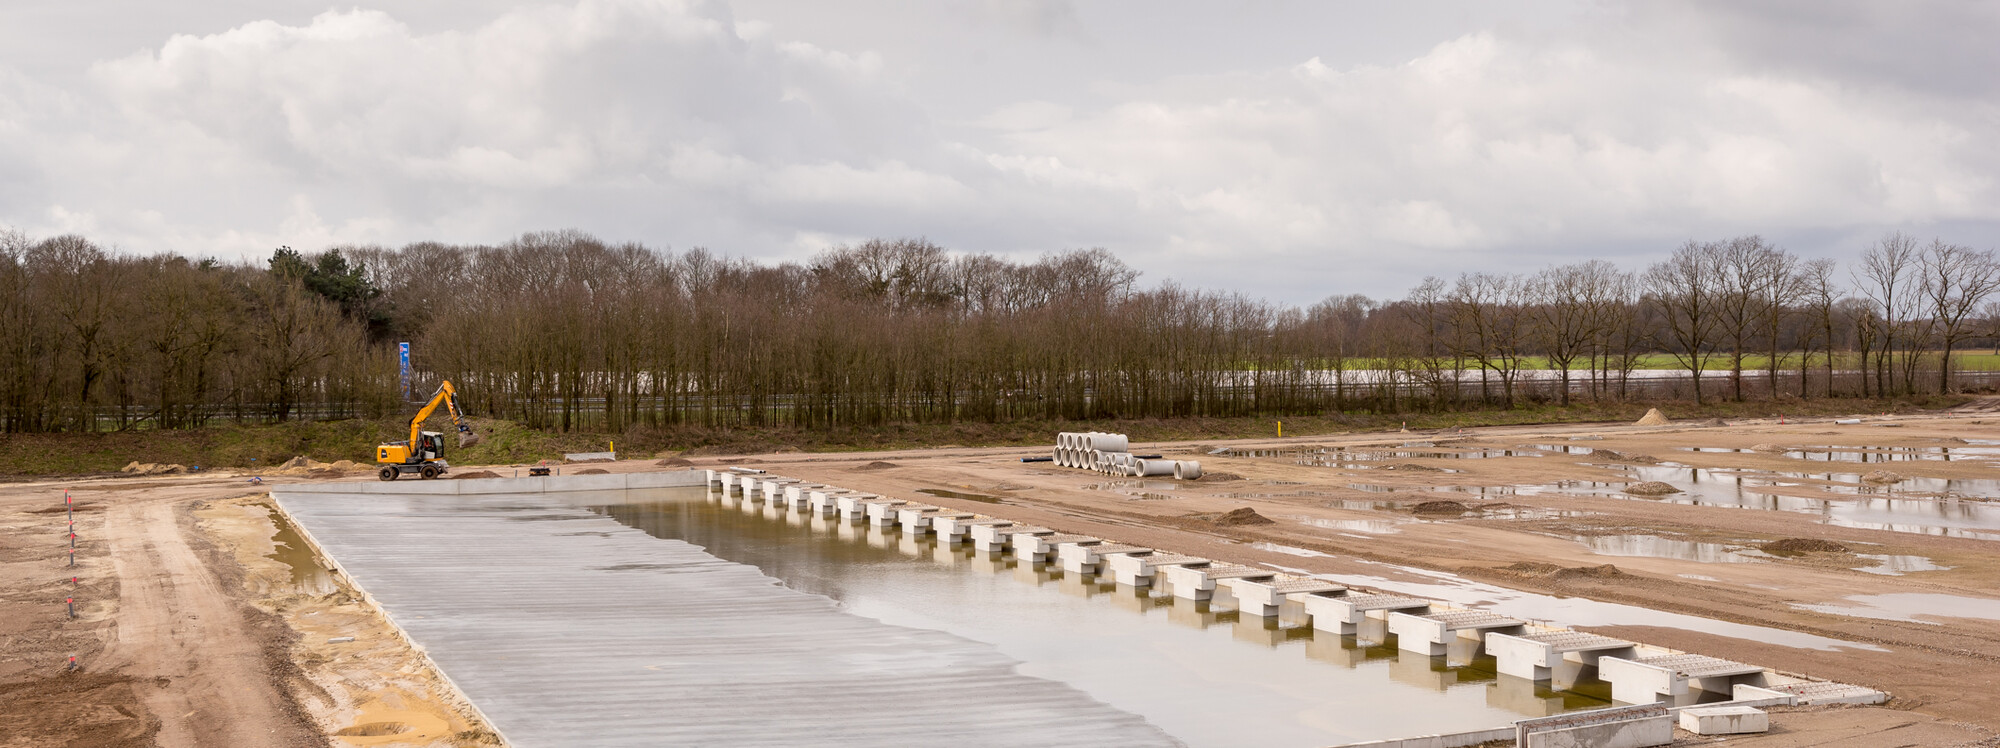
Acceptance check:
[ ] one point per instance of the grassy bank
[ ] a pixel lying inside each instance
(503, 442)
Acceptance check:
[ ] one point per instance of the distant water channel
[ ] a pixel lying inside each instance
(668, 617)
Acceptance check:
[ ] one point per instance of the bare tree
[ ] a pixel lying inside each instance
(1686, 287)
(1958, 280)
(1885, 275)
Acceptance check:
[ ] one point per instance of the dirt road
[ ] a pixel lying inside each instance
(188, 633)
(181, 631)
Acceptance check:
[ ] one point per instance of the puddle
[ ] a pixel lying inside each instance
(1143, 485)
(944, 494)
(290, 549)
(1912, 607)
(1748, 489)
(1369, 526)
(1476, 490)
(1290, 550)
(1896, 566)
(1654, 546)
(1567, 449)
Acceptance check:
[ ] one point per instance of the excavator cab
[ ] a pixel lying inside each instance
(423, 452)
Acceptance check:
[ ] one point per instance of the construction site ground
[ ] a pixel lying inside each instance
(192, 629)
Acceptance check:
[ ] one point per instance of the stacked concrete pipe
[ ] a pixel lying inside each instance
(1111, 454)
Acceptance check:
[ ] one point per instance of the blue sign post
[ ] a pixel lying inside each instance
(403, 352)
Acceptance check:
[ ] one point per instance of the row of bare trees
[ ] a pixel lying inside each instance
(560, 330)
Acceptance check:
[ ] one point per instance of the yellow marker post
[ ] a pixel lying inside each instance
(1281, 429)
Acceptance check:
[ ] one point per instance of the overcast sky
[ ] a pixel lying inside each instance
(1287, 150)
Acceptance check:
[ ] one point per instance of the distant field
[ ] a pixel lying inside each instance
(1976, 360)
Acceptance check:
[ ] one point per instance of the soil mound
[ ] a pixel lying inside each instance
(1532, 568)
(1606, 571)
(475, 474)
(1803, 545)
(1653, 417)
(1237, 517)
(878, 465)
(592, 471)
(342, 465)
(1413, 467)
(1881, 476)
(1714, 422)
(1651, 488)
(1218, 478)
(1617, 456)
(152, 468)
(675, 462)
(1441, 507)
(1773, 448)
(1552, 571)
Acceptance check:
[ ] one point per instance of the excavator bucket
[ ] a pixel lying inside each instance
(466, 437)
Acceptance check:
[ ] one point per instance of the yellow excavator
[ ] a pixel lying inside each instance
(423, 454)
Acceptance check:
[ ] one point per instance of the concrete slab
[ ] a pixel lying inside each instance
(511, 596)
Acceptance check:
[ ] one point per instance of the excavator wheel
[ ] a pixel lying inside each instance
(387, 473)
(429, 471)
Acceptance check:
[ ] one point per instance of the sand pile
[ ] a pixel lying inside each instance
(1651, 488)
(1803, 545)
(1768, 448)
(878, 465)
(1881, 476)
(1653, 417)
(1238, 516)
(1617, 456)
(1441, 507)
(675, 462)
(1412, 467)
(153, 468)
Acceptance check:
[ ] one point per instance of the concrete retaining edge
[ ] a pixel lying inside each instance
(1441, 740)
(277, 503)
(544, 484)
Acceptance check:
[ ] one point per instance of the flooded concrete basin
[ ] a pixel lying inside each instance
(659, 616)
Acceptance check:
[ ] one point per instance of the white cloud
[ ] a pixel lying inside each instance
(679, 123)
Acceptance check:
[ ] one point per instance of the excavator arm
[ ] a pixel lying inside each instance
(448, 396)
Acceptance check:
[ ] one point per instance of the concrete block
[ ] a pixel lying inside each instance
(1264, 597)
(1724, 720)
(1040, 548)
(1558, 656)
(1083, 557)
(1343, 615)
(998, 538)
(1137, 569)
(1198, 582)
(1438, 633)
(1618, 727)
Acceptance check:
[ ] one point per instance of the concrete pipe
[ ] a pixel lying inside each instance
(1150, 468)
(1187, 469)
(1110, 442)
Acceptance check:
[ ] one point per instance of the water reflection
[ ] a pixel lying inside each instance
(1200, 660)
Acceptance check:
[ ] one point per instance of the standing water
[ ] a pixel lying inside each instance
(662, 616)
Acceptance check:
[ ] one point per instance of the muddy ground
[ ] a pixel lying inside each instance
(200, 623)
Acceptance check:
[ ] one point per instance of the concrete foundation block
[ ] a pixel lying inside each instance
(1724, 720)
(1618, 727)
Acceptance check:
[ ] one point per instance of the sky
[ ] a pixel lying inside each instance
(1285, 150)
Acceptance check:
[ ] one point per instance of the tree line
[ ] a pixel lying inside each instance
(561, 330)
